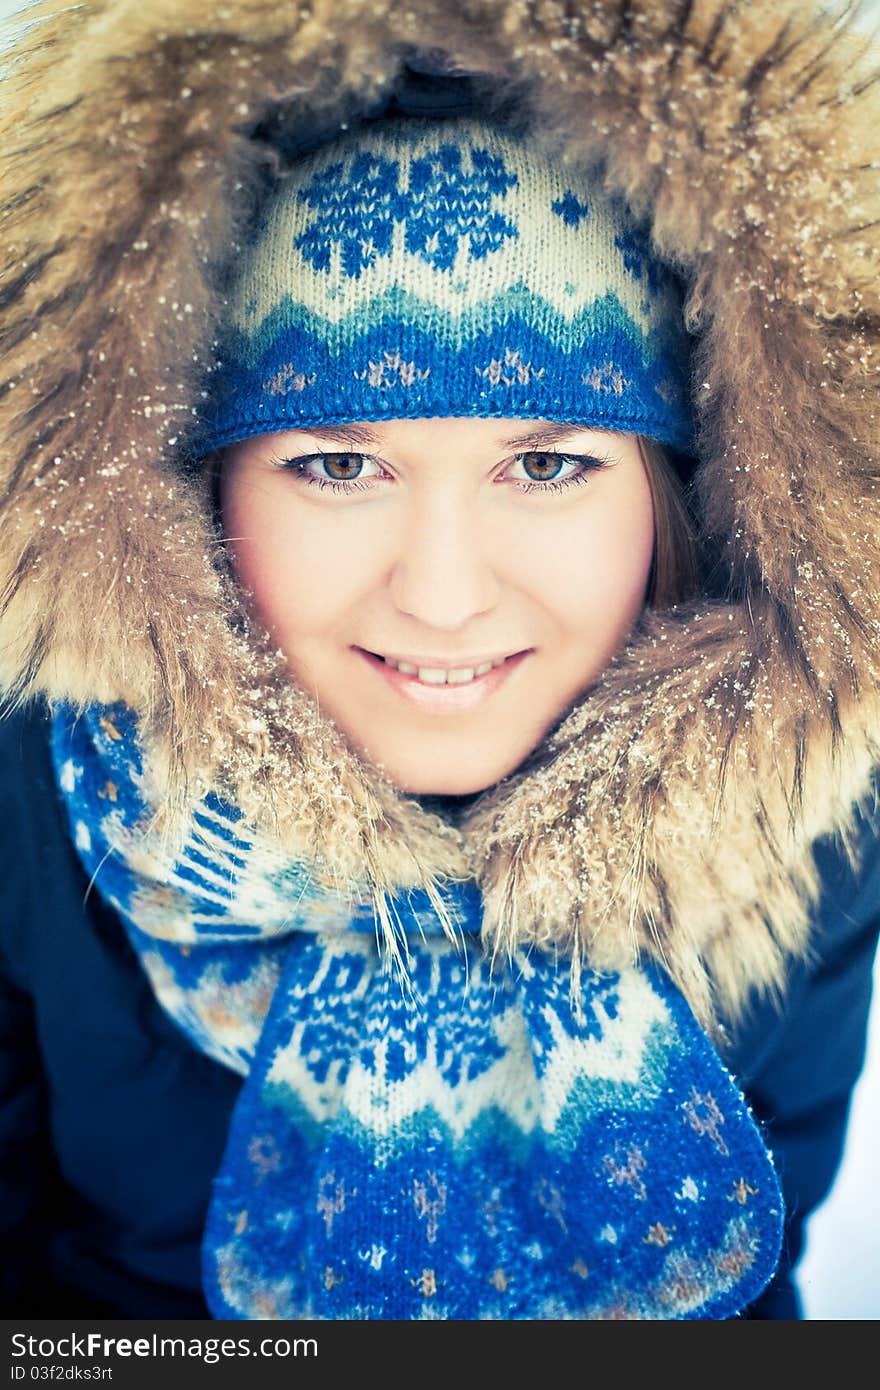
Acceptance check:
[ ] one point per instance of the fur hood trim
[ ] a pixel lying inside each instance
(672, 810)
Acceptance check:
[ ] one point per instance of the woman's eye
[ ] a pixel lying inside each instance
(340, 472)
(340, 468)
(545, 468)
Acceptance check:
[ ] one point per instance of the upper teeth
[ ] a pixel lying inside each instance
(439, 675)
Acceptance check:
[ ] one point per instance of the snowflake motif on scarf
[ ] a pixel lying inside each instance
(472, 1148)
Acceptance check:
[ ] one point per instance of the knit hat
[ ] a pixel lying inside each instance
(418, 267)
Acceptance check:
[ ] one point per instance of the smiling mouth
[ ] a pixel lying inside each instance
(443, 675)
(445, 690)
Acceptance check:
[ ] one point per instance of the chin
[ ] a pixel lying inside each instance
(456, 763)
(434, 786)
(422, 780)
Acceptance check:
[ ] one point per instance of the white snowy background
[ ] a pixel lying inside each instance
(839, 1275)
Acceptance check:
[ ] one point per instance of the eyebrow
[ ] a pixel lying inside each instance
(360, 434)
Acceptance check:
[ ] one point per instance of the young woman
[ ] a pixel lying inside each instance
(416, 988)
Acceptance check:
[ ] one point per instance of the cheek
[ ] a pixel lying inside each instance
(598, 570)
(297, 561)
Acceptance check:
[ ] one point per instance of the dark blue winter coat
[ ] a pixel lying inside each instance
(112, 1125)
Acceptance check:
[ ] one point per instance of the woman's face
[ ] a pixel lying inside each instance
(442, 545)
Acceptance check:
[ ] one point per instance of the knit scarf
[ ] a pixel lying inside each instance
(462, 1143)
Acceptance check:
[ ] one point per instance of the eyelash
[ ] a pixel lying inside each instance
(592, 464)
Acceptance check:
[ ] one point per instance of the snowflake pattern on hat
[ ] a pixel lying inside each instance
(398, 265)
(358, 213)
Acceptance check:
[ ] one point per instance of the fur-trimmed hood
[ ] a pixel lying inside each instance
(672, 810)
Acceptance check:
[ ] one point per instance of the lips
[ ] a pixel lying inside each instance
(440, 694)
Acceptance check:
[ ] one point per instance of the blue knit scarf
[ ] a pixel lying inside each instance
(469, 1147)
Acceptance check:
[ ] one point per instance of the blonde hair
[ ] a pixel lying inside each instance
(676, 565)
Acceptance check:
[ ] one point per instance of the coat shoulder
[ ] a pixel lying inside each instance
(25, 783)
(23, 728)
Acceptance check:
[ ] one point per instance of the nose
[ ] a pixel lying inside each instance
(443, 573)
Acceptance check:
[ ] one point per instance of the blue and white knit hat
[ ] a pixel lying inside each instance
(418, 267)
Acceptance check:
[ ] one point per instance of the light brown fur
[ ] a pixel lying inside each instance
(672, 811)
